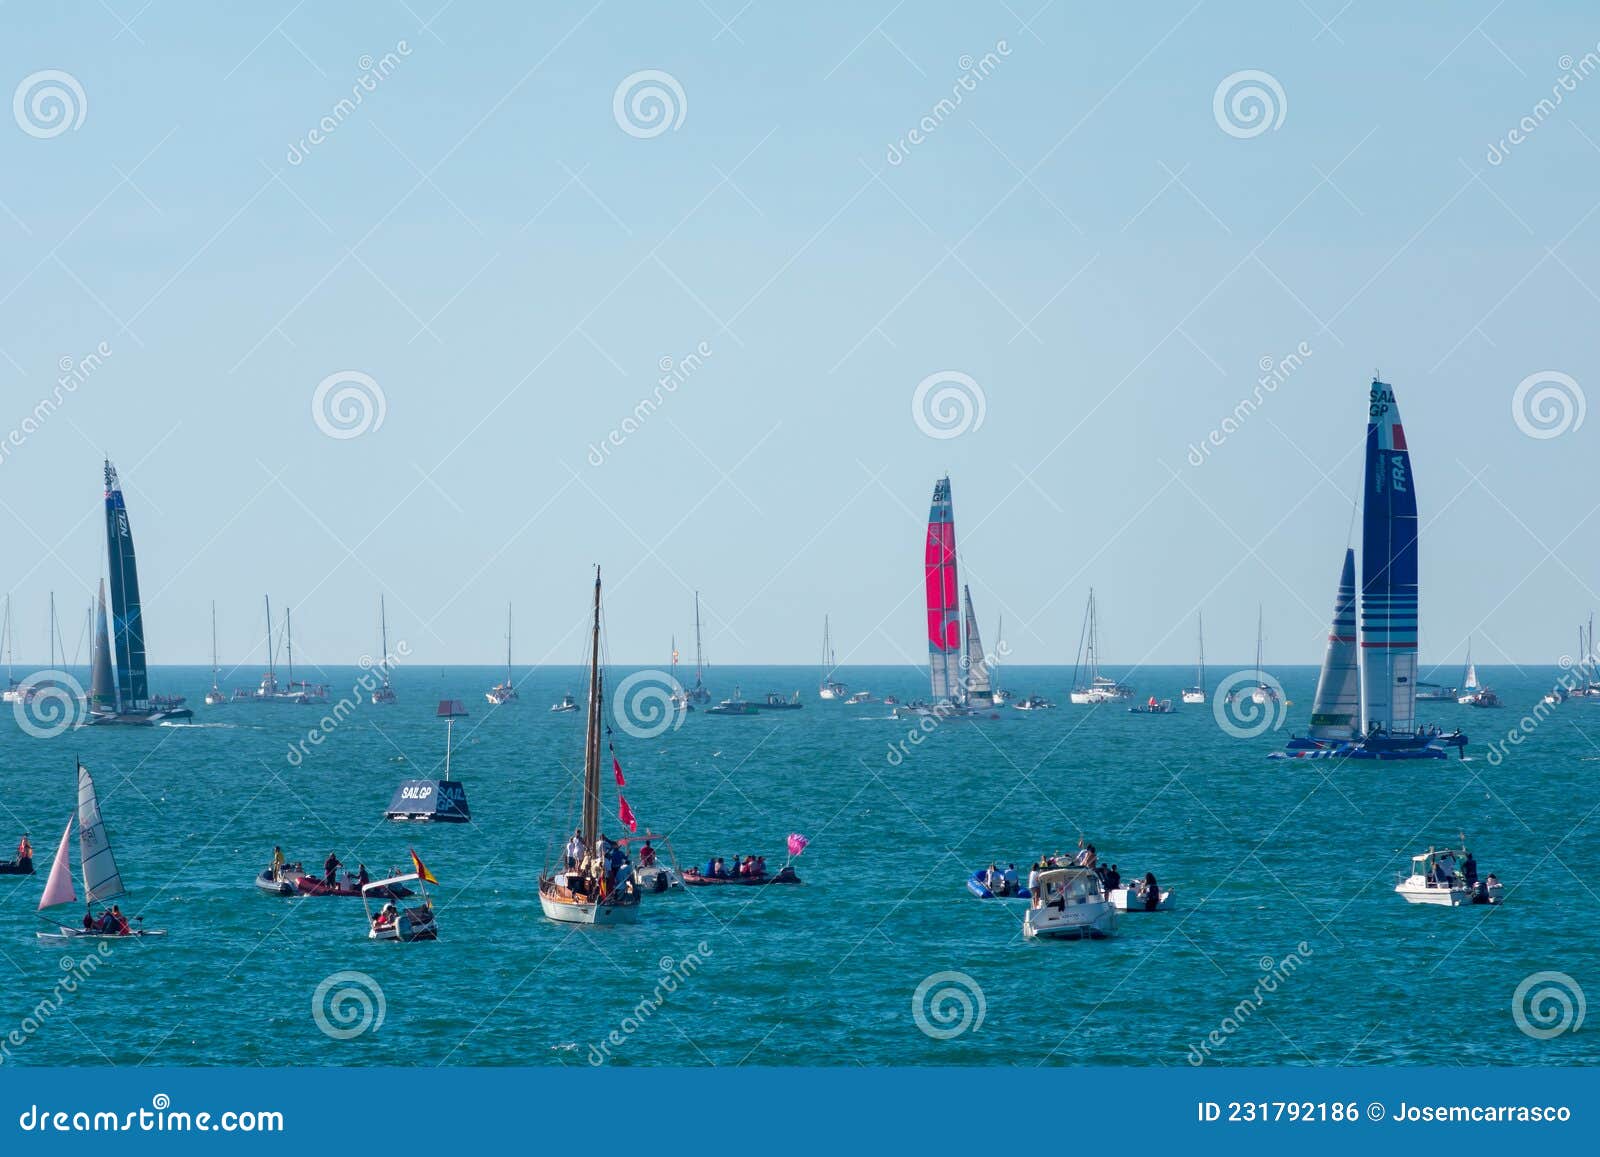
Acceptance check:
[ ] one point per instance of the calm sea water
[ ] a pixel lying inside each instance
(1280, 871)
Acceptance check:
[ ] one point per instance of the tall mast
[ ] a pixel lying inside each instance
(1202, 672)
(52, 630)
(508, 644)
(591, 753)
(383, 638)
(214, 686)
(288, 638)
(271, 655)
(699, 663)
(11, 671)
(1258, 642)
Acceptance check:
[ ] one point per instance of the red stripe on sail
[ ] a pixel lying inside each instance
(1399, 437)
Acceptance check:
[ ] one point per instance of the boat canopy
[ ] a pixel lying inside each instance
(376, 884)
(1079, 883)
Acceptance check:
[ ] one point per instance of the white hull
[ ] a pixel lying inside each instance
(604, 914)
(68, 935)
(1093, 921)
(1419, 890)
(1194, 696)
(1128, 900)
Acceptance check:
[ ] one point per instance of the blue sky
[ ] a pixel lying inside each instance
(1080, 237)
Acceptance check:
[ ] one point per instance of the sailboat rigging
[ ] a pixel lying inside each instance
(385, 692)
(698, 693)
(1197, 693)
(102, 882)
(829, 686)
(215, 695)
(1089, 686)
(506, 691)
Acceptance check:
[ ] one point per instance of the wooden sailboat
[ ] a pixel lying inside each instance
(577, 890)
(384, 693)
(102, 882)
(505, 692)
(1197, 693)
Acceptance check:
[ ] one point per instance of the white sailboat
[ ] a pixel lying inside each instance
(1262, 692)
(583, 888)
(829, 687)
(505, 692)
(385, 693)
(14, 691)
(1469, 681)
(698, 693)
(216, 695)
(102, 883)
(1001, 695)
(1089, 686)
(1197, 693)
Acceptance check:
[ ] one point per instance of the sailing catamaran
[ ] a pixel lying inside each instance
(1088, 685)
(1197, 693)
(131, 702)
(698, 693)
(102, 883)
(830, 687)
(506, 692)
(958, 677)
(384, 693)
(584, 889)
(1387, 638)
(215, 696)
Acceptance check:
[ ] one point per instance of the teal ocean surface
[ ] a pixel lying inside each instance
(1287, 941)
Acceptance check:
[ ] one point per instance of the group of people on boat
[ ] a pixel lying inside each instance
(1446, 874)
(747, 867)
(607, 869)
(111, 922)
(1148, 890)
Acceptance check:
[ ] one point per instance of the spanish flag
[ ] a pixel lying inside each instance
(422, 869)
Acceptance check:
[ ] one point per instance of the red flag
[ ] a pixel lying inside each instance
(421, 868)
(625, 814)
(616, 768)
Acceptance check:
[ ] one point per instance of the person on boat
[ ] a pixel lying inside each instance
(1113, 879)
(761, 866)
(88, 920)
(624, 877)
(24, 851)
(1469, 869)
(647, 856)
(711, 868)
(330, 868)
(1033, 878)
(991, 878)
(119, 922)
(277, 861)
(386, 915)
(575, 850)
(1152, 892)
(362, 879)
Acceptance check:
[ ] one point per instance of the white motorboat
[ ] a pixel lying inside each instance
(568, 703)
(859, 697)
(392, 922)
(1069, 904)
(1033, 703)
(1440, 876)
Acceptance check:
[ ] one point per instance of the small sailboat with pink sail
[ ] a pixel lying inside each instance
(102, 882)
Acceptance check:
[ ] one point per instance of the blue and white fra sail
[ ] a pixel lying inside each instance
(1336, 711)
(1388, 572)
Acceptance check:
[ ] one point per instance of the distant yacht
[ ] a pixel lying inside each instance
(698, 693)
(1197, 693)
(385, 693)
(1001, 695)
(269, 690)
(1262, 692)
(679, 696)
(506, 692)
(14, 692)
(830, 687)
(1089, 686)
(215, 696)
